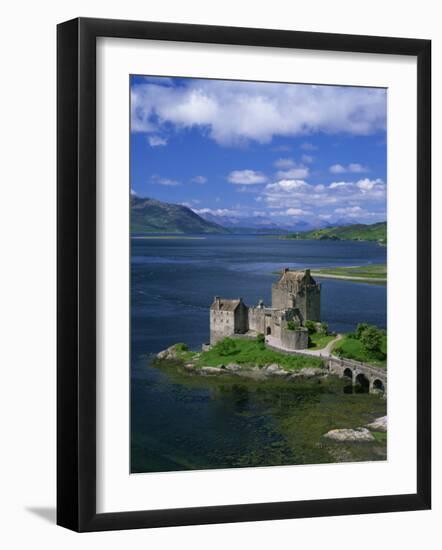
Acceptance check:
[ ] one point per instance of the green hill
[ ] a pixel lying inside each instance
(356, 232)
(152, 216)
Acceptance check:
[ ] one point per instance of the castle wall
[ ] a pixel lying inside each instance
(295, 297)
(274, 322)
(227, 323)
(241, 319)
(305, 297)
(294, 339)
(313, 303)
(280, 297)
(257, 319)
(222, 324)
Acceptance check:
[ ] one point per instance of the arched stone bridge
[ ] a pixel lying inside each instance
(359, 373)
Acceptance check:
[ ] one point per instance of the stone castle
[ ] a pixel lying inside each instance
(296, 298)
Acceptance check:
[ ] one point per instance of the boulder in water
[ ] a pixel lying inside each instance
(379, 425)
(349, 435)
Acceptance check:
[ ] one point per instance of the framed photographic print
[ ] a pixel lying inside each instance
(243, 274)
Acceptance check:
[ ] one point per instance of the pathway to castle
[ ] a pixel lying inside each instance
(324, 352)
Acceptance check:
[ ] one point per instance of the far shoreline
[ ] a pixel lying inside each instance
(349, 278)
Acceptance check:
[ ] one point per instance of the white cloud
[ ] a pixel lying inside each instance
(364, 186)
(291, 193)
(287, 186)
(133, 193)
(358, 213)
(300, 172)
(246, 177)
(297, 212)
(289, 169)
(191, 203)
(284, 163)
(357, 168)
(306, 146)
(220, 212)
(247, 189)
(165, 181)
(156, 141)
(367, 184)
(337, 169)
(308, 159)
(259, 214)
(199, 179)
(353, 167)
(349, 210)
(162, 80)
(232, 112)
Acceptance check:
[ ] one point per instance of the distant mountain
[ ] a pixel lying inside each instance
(258, 231)
(224, 221)
(152, 216)
(356, 232)
(254, 224)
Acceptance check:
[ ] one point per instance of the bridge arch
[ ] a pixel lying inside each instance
(378, 385)
(348, 373)
(364, 377)
(362, 382)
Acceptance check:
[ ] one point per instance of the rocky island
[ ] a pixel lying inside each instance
(285, 343)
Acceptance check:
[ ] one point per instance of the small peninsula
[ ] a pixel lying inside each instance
(286, 339)
(371, 273)
(285, 346)
(356, 232)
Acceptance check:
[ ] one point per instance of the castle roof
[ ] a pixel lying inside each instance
(221, 304)
(295, 275)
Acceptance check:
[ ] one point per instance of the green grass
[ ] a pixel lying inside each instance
(249, 353)
(356, 232)
(374, 271)
(381, 437)
(183, 352)
(319, 341)
(353, 349)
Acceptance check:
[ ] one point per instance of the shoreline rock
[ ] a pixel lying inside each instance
(273, 370)
(378, 425)
(210, 370)
(344, 435)
(168, 353)
(309, 372)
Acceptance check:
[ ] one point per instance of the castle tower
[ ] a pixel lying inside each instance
(227, 317)
(298, 289)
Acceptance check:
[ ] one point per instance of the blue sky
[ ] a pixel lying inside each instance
(289, 153)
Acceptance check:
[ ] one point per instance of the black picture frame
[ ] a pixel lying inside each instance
(76, 273)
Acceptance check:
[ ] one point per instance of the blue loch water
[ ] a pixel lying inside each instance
(179, 426)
